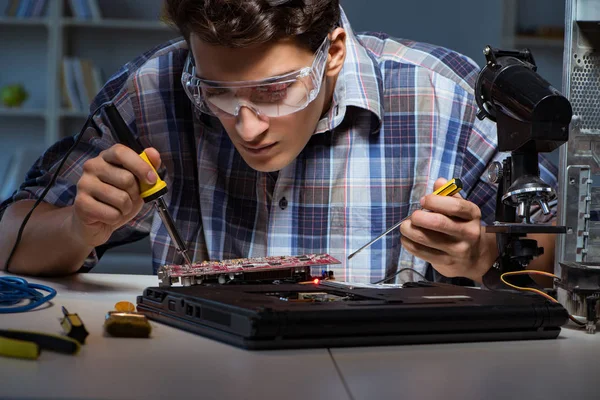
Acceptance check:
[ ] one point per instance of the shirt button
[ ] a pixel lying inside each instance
(283, 203)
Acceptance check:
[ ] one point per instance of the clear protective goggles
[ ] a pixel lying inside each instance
(272, 97)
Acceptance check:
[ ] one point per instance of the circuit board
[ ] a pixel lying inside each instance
(273, 267)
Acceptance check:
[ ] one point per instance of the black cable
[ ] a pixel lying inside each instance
(49, 185)
(399, 272)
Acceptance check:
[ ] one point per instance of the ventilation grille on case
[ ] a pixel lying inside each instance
(585, 90)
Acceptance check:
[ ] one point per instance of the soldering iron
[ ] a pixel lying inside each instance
(149, 192)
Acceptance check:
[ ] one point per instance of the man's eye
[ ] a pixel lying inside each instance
(273, 88)
(271, 93)
(214, 91)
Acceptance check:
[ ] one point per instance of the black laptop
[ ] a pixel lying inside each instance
(333, 315)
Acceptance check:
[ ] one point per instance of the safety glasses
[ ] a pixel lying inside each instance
(272, 97)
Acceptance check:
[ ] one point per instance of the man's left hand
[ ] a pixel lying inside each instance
(450, 236)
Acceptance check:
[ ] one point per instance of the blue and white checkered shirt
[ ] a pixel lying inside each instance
(403, 114)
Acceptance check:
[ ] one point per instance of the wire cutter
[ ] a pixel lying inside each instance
(29, 344)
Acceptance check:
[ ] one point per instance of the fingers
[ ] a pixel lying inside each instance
(123, 156)
(105, 203)
(439, 183)
(109, 189)
(463, 229)
(451, 206)
(119, 178)
(153, 156)
(90, 210)
(459, 245)
(426, 237)
(112, 196)
(428, 254)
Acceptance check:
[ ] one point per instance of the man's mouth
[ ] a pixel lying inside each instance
(261, 149)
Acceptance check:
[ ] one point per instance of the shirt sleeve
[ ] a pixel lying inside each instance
(74, 152)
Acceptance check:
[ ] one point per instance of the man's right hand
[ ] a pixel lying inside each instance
(108, 193)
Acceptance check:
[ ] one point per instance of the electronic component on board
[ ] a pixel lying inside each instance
(271, 268)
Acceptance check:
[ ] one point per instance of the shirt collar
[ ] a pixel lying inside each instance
(359, 84)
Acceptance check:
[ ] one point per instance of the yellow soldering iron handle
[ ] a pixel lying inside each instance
(148, 192)
(151, 192)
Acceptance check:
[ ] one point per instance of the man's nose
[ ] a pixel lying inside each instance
(249, 125)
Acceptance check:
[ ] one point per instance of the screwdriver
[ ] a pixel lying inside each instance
(449, 189)
(149, 192)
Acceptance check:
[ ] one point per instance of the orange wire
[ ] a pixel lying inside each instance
(529, 272)
(534, 272)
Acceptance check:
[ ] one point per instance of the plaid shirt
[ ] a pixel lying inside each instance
(403, 114)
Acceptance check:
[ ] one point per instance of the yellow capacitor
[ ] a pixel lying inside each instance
(124, 306)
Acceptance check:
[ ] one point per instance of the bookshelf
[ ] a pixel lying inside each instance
(32, 21)
(32, 50)
(22, 112)
(45, 40)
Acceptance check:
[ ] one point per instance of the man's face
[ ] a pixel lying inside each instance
(266, 144)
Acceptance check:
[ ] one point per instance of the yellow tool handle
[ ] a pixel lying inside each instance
(151, 192)
(450, 188)
(45, 341)
(148, 192)
(19, 348)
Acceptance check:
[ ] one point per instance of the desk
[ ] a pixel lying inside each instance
(172, 364)
(563, 368)
(176, 364)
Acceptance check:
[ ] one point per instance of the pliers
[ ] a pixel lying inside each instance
(28, 344)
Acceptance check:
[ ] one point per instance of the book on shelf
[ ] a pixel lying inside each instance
(26, 8)
(81, 80)
(85, 9)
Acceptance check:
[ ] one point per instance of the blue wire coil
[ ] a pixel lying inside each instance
(14, 291)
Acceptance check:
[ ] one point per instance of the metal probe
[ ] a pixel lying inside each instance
(449, 189)
(149, 192)
(161, 207)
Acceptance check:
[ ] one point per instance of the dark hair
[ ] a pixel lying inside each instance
(241, 23)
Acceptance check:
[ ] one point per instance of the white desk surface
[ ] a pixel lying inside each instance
(562, 368)
(176, 364)
(171, 364)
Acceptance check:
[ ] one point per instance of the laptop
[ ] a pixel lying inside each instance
(329, 314)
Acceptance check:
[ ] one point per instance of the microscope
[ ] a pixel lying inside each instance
(532, 117)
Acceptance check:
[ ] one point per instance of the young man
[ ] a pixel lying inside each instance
(280, 132)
